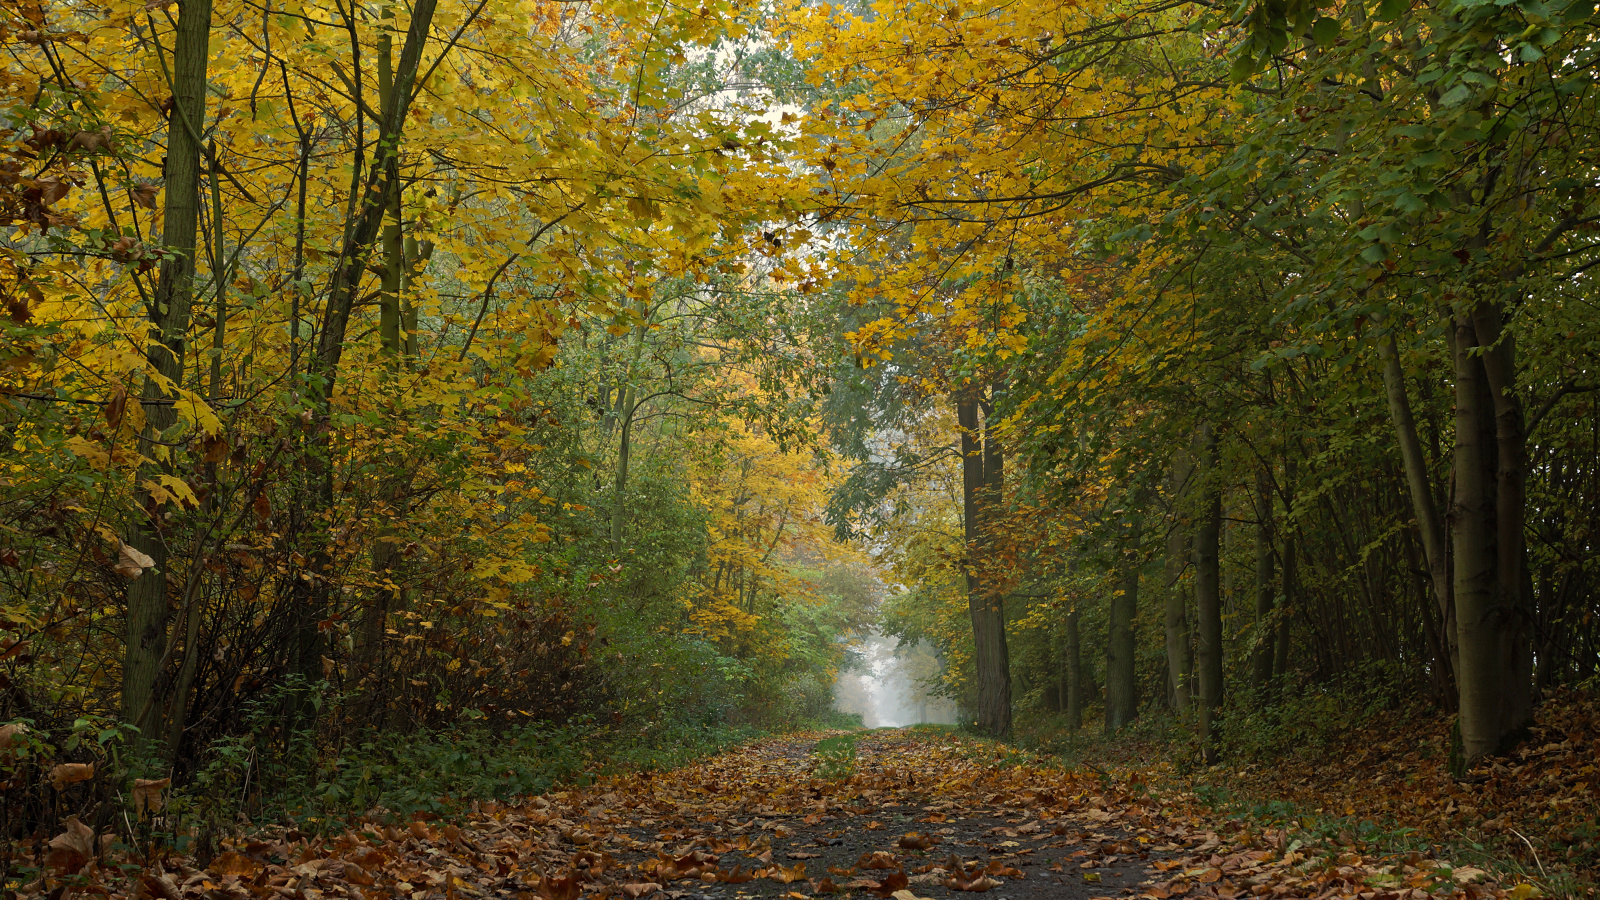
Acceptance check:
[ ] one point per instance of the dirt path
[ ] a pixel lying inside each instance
(900, 815)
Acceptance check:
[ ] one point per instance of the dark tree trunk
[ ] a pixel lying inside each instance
(982, 479)
(1121, 675)
(1266, 586)
(1208, 596)
(146, 640)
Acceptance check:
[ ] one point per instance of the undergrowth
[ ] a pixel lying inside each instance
(431, 775)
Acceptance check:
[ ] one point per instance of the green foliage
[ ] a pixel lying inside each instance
(1313, 721)
(835, 757)
(435, 773)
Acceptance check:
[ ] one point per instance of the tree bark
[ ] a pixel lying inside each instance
(1430, 527)
(1208, 595)
(1179, 640)
(1121, 675)
(361, 232)
(1266, 586)
(1495, 664)
(981, 481)
(147, 613)
(1073, 666)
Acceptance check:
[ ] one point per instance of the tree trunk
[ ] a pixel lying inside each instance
(1073, 666)
(1494, 675)
(1180, 646)
(1266, 587)
(1430, 528)
(361, 231)
(981, 479)
(146, 624)
(1121, 676)
(1208, 595)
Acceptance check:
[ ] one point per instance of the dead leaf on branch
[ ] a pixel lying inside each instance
(148, 795)
(70, 773)
(131, 563)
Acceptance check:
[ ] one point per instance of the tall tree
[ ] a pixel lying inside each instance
(148, 644)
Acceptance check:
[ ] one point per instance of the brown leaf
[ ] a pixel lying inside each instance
(825, 886)
(70, 773)
(998, 868)
(894, 881)
(262, 506)
(802, 854)
(916, 841)
(980, 883)
(115, 407)
(131, 563)
(144, 195)
(161, 885)
(790, 875)
(11, 735)
(92, 140)
(641, 889)
(148, 796)
(72, 849)
(563, 887)
(878, 859)
(214, 449)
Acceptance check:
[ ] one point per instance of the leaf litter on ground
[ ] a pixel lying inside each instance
(953, 817)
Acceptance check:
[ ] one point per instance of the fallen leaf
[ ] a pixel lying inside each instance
(980, 883)
(72, 849)
(878, 859)
(892, 882)
(787, 876)
(641, 889)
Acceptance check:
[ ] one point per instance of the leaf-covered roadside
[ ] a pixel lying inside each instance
(1537, 805)
(918, 814)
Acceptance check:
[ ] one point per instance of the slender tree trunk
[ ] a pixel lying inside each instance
(1180, 645)
(981, 478)
(1266, 587)
(1285, 616)
(146, 624)
(1073, 666)
(1430, 527)
(361, 232)
(1208, 596)
(619, 496)
(1121, 676)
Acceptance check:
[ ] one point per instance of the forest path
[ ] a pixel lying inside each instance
(898, 815)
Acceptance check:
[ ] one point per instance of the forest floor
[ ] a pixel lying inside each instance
(897, 815)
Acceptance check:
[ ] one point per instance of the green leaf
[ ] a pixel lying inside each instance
(1326, 31)
(1244, 65)
(1389, 10)
(1456, 96)
(1375, 254)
